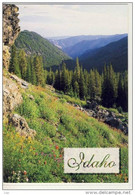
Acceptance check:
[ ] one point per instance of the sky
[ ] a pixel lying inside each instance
(73, 20)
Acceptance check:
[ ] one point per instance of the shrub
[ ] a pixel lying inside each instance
(62, 100)
(120, 109)
(28, 108)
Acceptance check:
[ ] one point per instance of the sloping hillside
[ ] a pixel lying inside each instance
(56, 125)
(33, 44)
(82, 46)
(115, 53)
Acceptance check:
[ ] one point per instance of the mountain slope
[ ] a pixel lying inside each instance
(115, 53)
(33, 43)
(81, 47)
(70, 41)
(58, 125)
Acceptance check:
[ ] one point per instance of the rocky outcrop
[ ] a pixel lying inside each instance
(21, 126)
(93, 110)
(20, 82)
(11, 95)
(12, 85)
(11, 30)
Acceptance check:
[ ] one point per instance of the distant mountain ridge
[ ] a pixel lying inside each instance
(77, 45)
(115, 53)
(33, 44)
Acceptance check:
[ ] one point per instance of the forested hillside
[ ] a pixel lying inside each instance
(34, 44)
(115, 53)
(81, 47)
(111, 87)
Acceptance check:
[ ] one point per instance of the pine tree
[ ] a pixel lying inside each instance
(76, 89)
(50, 78)
(108, 91)
(33, 74)
(22, 63)
(82, 86)
(92, 87)
(14, 64)
(77, 71)
(122, 98)
(97, 84)
(65, 79)
(57, 80)
(28, 73)
(39, 70)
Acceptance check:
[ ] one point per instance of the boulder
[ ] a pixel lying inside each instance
(113, 122)
(21, 126)
(92, 105)
(31, 97)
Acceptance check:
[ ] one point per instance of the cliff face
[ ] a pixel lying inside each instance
(11, 30)
(12, 85)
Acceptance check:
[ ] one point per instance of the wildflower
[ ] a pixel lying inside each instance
(24, 172)
(60, 155)
(126, 179)
(54, 155)
(29, 138)
(45, 162)
(27, 179)
(57, 147)
(36, 153)
(120, 175)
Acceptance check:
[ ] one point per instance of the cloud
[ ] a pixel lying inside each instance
(58, 20)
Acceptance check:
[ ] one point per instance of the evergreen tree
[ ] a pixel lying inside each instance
(92, 87)
(76, 89)
(97, 84)
(50, 78)
(77, 71)
(22, 63)
(65, 79)
(14, 64)
(28, 73)
(82, 86)
(33, 74)
(122, 98)
(39, 70)
(108, 92)
(57, 80)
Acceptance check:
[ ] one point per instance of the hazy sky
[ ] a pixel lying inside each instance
(70, 20)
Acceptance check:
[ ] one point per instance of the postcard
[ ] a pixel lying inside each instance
(67, 95)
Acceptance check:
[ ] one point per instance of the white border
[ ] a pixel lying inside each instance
(97, 186)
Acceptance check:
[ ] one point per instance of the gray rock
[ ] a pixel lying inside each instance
(21, 82)
(21, 126)
(11, 95)
(31, 97)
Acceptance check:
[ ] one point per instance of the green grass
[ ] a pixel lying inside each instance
(58, 125)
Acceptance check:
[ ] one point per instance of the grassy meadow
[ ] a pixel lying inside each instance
(58, 125)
